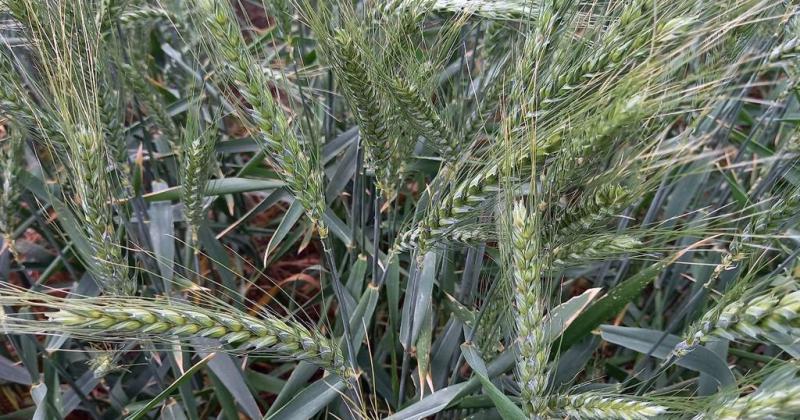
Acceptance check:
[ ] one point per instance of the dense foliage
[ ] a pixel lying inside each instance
(400, 209)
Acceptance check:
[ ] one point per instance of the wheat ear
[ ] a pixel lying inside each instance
(88, 160)
(775, 398)
(198, 152)
(294, 163)
(596, 207)
(599, 406)
(425, 118)
(767, 316)
(530, 308)
(367, 106)
(135, 77)
(489, 9)
(110, 318)
(11, 155)
(593, 248)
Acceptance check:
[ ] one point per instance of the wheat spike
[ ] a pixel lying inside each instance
(293, 161)
(596, 248)
(775, 398)
(367, 106)
(530, 309)
(198, 151)
(757, 318)
(131, 318)
(490, 9)
(11, 164)
(599, 406)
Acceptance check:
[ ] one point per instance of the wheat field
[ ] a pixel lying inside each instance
(399, 209)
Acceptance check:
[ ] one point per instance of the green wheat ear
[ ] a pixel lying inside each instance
(11, 165)
(295, 161)
(770, 317)
(198, 153)
(776, 397)
(134, 319)
(367, 105)
(531, 303)
(599, 406)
